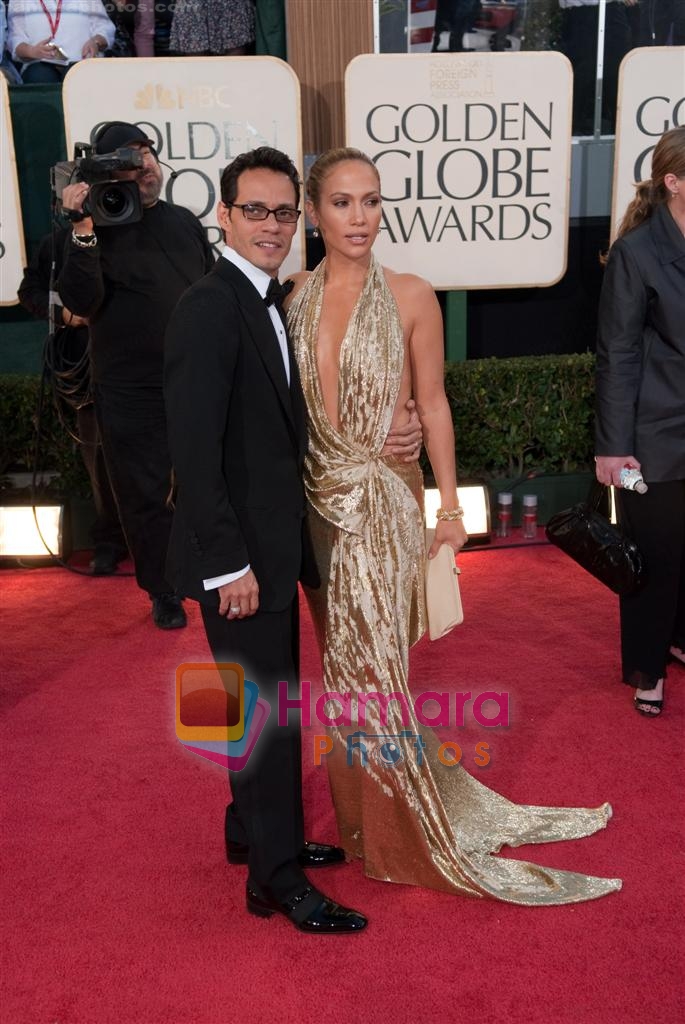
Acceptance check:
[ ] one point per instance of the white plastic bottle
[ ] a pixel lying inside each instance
(631, 480)
(529, 516)
(504, 500)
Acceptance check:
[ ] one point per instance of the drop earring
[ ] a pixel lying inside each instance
(315, 233)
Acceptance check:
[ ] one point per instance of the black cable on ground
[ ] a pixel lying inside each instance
(70, 386)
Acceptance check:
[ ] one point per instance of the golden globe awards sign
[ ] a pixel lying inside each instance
(12, 251)
(474, 153)
(201, 112)
(651, 100)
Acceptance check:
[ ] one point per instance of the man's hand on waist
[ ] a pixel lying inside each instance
(405, 442)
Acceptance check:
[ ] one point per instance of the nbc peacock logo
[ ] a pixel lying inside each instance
(219, 713)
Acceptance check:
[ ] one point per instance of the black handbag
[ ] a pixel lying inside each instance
(584, 534)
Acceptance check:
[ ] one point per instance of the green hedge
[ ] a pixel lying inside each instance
(510, 415)
(19, 411)
(527, 413)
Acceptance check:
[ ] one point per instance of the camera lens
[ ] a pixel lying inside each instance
(114, 202)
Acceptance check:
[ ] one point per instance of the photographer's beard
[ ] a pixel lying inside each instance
(149, 180)
(150, 183)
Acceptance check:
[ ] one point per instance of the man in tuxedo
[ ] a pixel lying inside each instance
(237, 433)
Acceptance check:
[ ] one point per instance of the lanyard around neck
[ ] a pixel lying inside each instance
(54, 22)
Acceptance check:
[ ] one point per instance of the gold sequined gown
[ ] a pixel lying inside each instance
(419, 823)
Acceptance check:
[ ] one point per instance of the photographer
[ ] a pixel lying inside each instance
(71, 348)
(126, 279)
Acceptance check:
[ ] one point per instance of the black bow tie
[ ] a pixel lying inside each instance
(276, 292)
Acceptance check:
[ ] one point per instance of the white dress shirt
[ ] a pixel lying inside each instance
(260, 279)
(80, 20)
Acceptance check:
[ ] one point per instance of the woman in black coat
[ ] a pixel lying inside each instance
(641, 412)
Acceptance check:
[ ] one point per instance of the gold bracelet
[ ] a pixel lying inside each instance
(448, 515)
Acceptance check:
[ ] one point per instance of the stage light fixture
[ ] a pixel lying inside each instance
(475, 500)
(31, 531)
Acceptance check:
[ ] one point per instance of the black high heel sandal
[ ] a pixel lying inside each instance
(644, 706)
(641, 704)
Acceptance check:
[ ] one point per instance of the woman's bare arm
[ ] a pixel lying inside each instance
(423, 320)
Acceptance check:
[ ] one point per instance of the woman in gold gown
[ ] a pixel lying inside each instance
(366, 340)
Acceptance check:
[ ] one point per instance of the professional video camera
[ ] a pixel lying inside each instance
(109, 202)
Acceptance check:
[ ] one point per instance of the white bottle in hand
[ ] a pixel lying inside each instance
(631, 480)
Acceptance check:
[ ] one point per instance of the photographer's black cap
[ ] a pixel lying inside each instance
(117, 135)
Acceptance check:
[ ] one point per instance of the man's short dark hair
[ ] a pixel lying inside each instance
(266, 157)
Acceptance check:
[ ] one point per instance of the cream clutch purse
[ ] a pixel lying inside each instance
(443, 600)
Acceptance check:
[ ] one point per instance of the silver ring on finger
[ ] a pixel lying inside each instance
(235, 608)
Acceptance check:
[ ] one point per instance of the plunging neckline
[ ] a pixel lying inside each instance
(369, 365)
(346, 334)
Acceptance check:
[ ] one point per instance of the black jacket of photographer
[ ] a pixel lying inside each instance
(128, 285)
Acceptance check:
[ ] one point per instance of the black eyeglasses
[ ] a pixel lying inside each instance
(255, 211)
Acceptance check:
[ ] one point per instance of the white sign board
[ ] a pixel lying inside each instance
(651, 100)
(201, 113)
(474, 158)
(12, 249)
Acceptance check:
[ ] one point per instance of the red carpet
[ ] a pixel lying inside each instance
(120, 909)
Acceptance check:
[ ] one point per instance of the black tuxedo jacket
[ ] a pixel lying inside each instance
(641, 350)
(237, 436)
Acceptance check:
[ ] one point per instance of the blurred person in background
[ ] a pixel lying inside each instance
(641, 413)
(214, 28)
(143, 27)
(7, 68)
(455, 17)
(579, 31)
(658, 23)
(46, 37)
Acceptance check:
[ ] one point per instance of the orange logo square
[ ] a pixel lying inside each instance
(210, 702)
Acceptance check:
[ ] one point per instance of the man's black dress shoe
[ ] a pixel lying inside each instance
(312, 855)
(168, 612)
(323, 916)
(106, 558)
